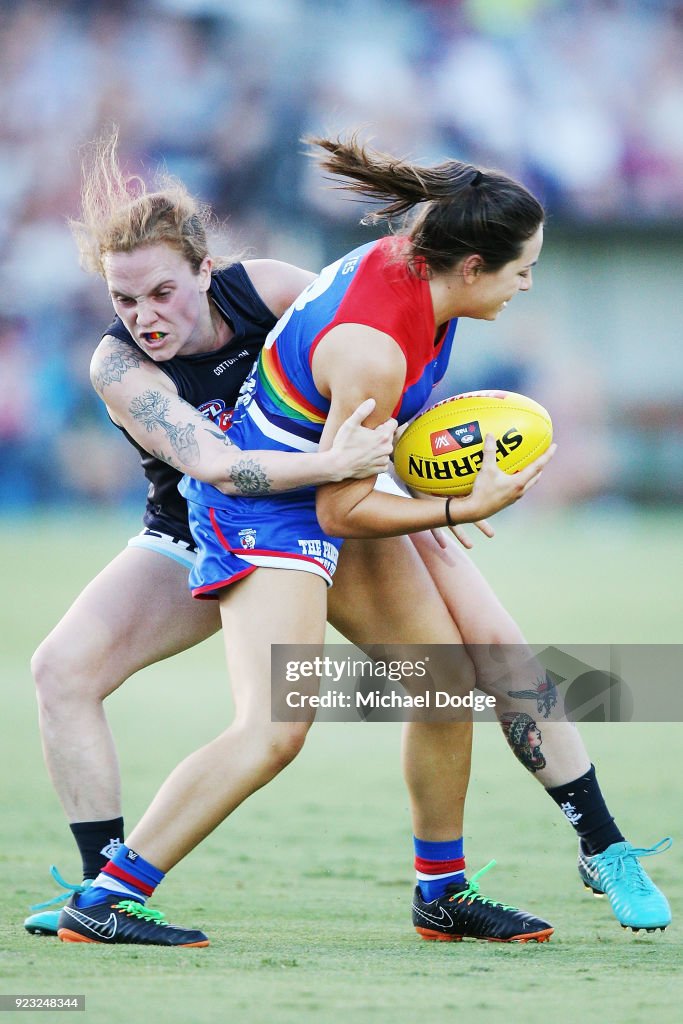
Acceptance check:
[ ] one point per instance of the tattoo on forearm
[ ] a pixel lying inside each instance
(524, 737)
(219, 434)
(115, 366)
(151, 409)
(249, 478)
(165, 457)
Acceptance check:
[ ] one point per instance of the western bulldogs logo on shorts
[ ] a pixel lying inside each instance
(247, 538)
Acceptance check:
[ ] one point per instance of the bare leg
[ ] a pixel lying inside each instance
(136, 612)
(383, 594)
(270, 606)
(483, 621)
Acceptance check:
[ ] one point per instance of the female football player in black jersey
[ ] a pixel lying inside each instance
(186, 335)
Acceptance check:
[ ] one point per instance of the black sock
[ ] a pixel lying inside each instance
(97, 842)
(584, 806)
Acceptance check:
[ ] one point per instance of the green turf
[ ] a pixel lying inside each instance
(305, 892)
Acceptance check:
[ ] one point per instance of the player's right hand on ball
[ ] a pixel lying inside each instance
(494, 490)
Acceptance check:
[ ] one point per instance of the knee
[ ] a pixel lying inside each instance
(57, 675)
(502, 632)
(281, 745)
(506, 665)
(44, 669)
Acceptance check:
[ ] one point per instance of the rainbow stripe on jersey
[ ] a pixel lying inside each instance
(280, 392)
(280, 406)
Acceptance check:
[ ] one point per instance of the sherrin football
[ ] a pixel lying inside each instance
(441, 451)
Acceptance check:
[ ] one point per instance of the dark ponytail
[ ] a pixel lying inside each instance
(465, 210)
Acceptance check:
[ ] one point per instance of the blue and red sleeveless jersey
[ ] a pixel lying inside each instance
(279, 405)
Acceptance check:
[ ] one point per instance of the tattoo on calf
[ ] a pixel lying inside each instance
(115, 365)
(524, 737)
(249, 478)
(151, 409)
(545, 695)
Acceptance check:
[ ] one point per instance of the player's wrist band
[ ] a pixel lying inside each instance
(449, 521)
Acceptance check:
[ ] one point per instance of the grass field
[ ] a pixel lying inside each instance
(305, 892)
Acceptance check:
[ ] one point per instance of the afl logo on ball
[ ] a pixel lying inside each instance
(452, 439)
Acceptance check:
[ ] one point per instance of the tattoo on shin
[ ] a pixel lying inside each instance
(120, 359)
(545, 695)
(151, 409)
(249, 478)
(524, 737)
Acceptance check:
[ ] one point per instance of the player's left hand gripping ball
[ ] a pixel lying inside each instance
(442, 449)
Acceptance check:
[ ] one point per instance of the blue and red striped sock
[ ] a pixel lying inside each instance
(127, 874)
(438, 865)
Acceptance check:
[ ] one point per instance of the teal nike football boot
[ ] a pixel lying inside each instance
(616, 873)
(45, 923)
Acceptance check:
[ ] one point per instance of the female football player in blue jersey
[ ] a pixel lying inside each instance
(143, 371)
(392, 338)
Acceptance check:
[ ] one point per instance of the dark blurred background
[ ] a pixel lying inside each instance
(581, 100)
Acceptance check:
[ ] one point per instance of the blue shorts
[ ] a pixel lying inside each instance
(277, 534)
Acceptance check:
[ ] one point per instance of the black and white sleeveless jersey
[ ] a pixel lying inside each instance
(210, 381)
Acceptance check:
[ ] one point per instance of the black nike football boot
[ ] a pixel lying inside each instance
(118, 920)
(463, 913)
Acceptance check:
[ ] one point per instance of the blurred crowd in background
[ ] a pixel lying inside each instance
(582, 100)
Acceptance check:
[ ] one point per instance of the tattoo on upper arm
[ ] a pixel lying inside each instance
(151, 409)
(115, 365)
(249, 478)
